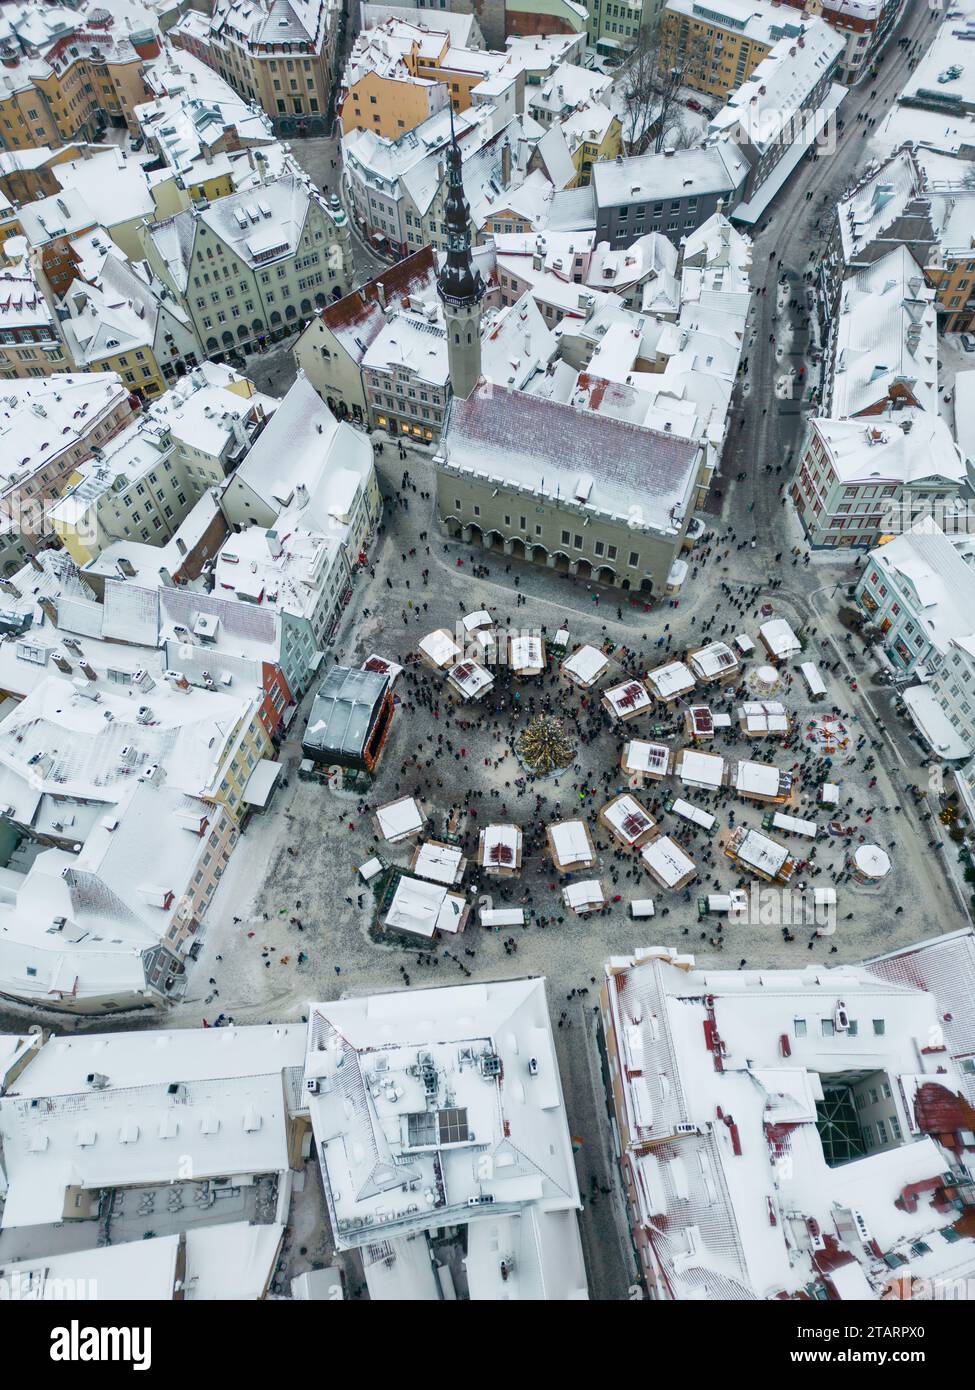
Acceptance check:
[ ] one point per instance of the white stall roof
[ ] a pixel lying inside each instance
(399, 818)
(673, 679)
(757, 779)
(526, 652)
(382, 666)
(422, 908)
(628, 698)
(470, 678)
(588, 893)
(585, 665)
(440, 647)
(779, 637)
(759, 852)
(628, 817)
(647, 757)
(667, 860)
(438, 862)
(701, 769)
(482, 618)
(571, 841)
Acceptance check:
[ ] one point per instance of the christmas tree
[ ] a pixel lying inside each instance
(544, 746)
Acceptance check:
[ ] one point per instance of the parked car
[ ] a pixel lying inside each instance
(693, 104)
(967, 341)
(136, 145)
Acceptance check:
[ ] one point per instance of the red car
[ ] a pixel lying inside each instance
(693, 104)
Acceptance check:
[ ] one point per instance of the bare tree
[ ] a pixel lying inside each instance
(651, 81)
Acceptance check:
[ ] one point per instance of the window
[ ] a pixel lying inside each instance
(881, 1132)
(799, 1027)
(565, 538)
(634, 559)
(879, 1027)
(827, 1027)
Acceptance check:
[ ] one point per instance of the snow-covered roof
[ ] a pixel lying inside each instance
(717, 168)
(470, 679)
(779, 637)
(760, 112)
(700, 769)
(764, 717)
(721, 1206)
(548, 447)
(422, 908)
(716, 659)
(931, 575)
(208, 1100)
(671, 680)
(885, 338)
(628, 817)
(640, 756)
(571, 842)
(665, 859)
(410, 1081)
(757, 851)
(628, 699)
(440, 647)
(757, 779)
(585, 665)
(880, 449)
(413, 343)
(398, 820)
(584, 896)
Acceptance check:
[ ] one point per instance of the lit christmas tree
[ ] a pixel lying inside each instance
(544, 746)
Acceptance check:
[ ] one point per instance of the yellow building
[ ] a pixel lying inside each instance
(90, 82)
(592, 134)
(398, 75)
(717, 48)
(952, 273)
(389, 104)
(280, 59)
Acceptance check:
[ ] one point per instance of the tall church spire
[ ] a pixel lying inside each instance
(459, 284)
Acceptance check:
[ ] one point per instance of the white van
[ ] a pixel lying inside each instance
(641, 907)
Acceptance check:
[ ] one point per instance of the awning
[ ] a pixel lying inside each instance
(933, 724)
(261, 782)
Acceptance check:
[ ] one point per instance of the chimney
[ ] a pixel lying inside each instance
(49, 608)
(180, 544)
(9, 588)
(36, 563)
(88, 671)
(381, 294)
(125, 567)
(62, 663)
(273, 544)
(166, 578)
(506, 164)
(301, 495)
